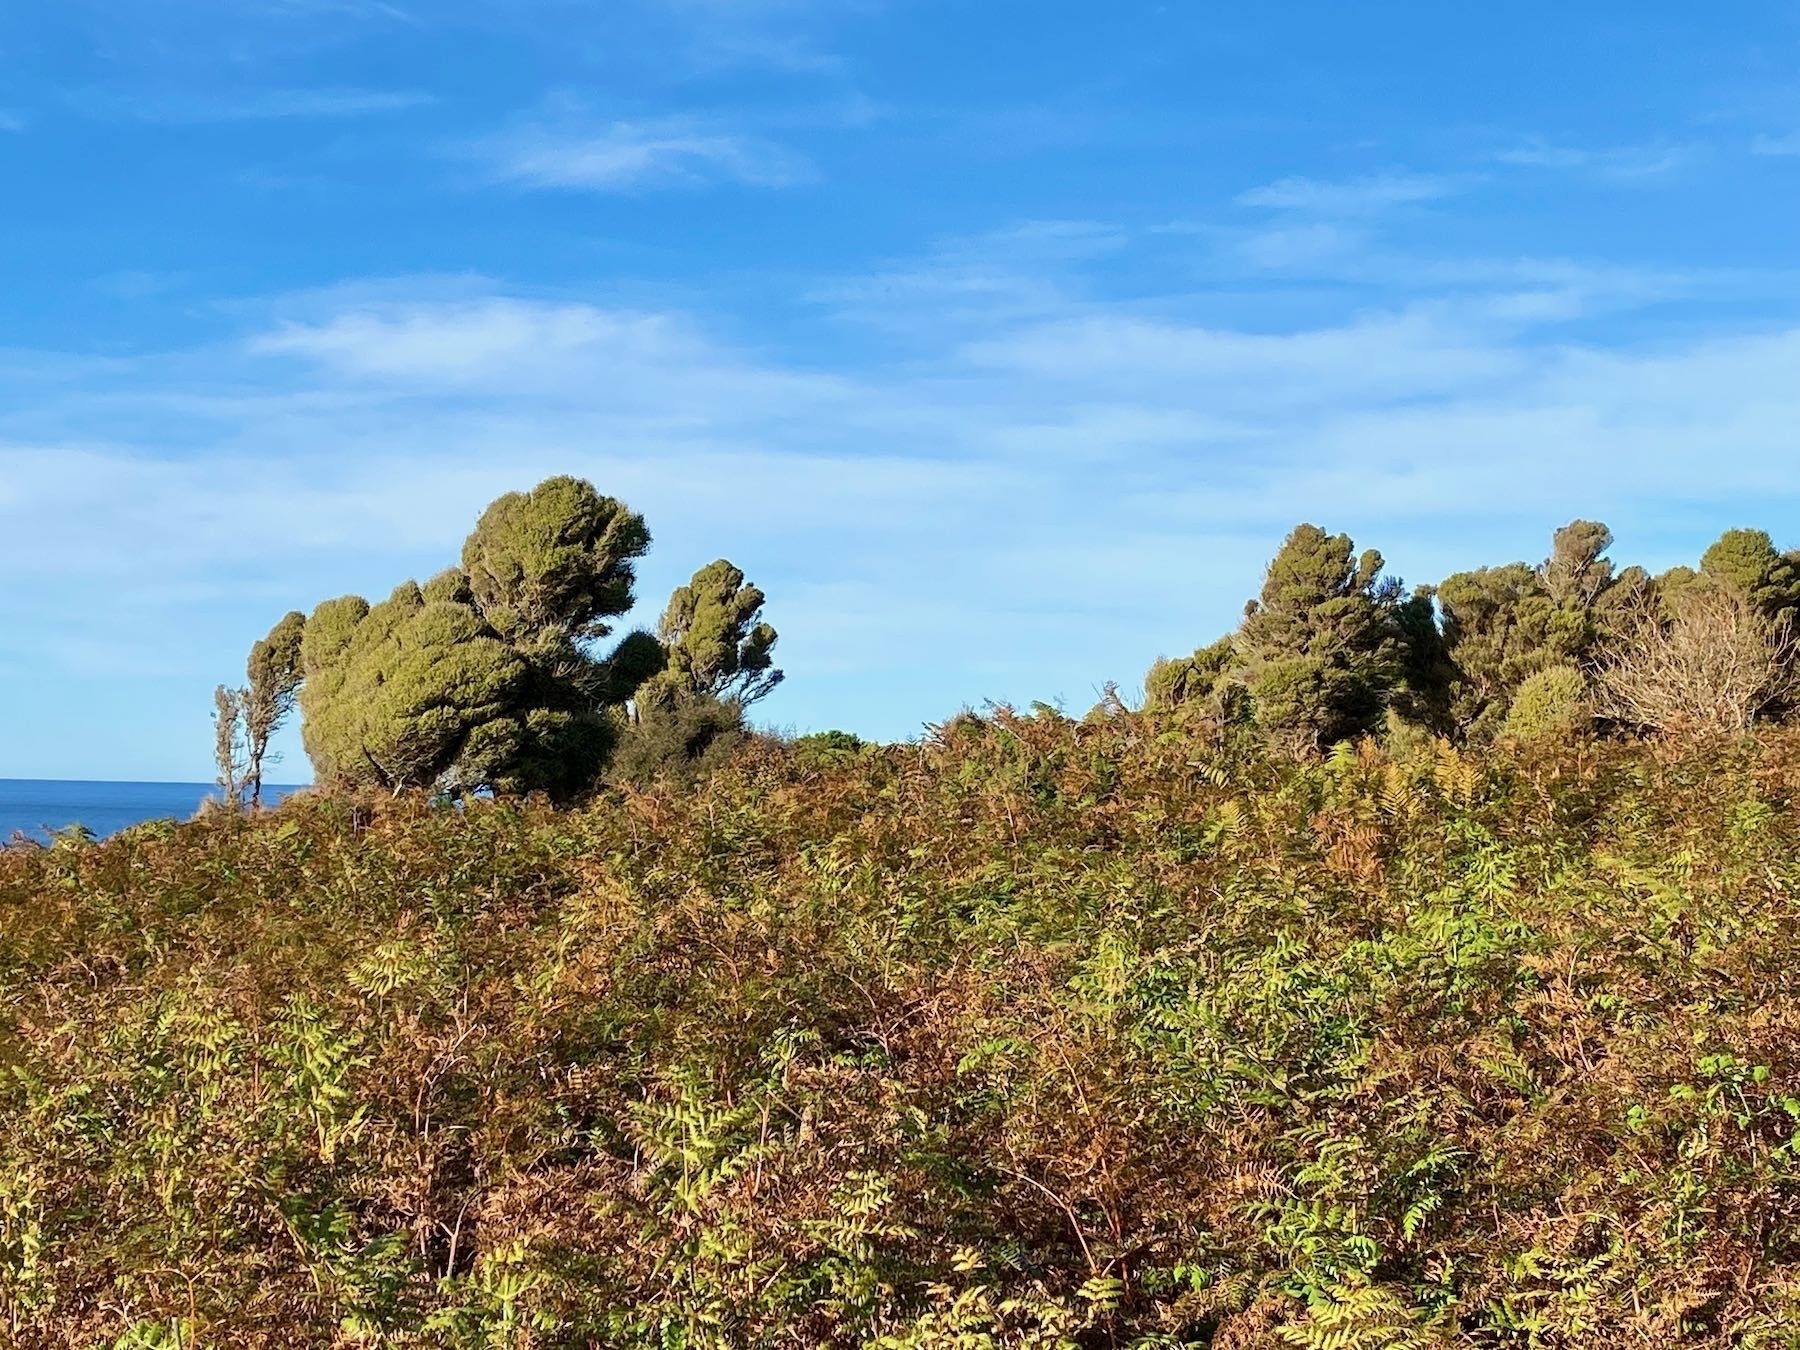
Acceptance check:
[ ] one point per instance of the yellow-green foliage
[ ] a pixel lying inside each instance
(1553, 702)
(1036, 1035)
(484, 677)
(419, 686)
(558, 561)
(717, 644)
(1189, 681)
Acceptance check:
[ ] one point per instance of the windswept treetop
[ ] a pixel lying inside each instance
(717, 644)
(488, 675)
(554, 563)
(1332, 650)
(485, 675)
(1746, 562)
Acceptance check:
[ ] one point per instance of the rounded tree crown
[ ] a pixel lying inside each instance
(555, 562)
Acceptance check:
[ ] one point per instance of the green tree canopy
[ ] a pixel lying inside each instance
(274, 673)
(485, 676)
(716, 642)
(414, 690)
(1577, 570)
(1501, 626)
(1504, 625)
(1553, 702)
(554, 563)
(1748, 563)
(1320, 649)
(1189, 681)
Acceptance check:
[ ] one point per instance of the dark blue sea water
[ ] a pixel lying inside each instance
(38, 806)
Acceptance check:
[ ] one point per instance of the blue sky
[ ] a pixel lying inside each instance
(999, 342)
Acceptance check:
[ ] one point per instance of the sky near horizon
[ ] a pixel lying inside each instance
(999, 342)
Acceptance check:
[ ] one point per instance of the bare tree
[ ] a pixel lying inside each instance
(1713, 662)
(228, 743)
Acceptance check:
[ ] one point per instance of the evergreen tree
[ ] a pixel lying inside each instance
(1320, 650)
(412, 690)
(1747, 562)
(274, 673)
(553, 565)
(486, 676)
(1553, 702)
(1503, 625)
(717, 644)
(1577, 570)
(1190, 681)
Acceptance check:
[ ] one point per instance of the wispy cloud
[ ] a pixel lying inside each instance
(1614, 163)
(572, 152)
(1352, 197)
(1777, 145)
(177, 109)
(1039, 450)
(363, 437)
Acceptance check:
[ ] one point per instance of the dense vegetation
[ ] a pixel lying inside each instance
(1038, 1033)
(493, 675)
(1332, 649)
(1412, 968)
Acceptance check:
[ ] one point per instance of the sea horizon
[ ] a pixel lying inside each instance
(40, 807)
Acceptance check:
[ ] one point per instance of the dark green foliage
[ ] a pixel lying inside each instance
(1422, 696)
(1747, 562)
(677, 737)
(1332, 651)
(1320, 650)
(1501, 626)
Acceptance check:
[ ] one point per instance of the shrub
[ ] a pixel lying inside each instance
(1034, 1034)
(1553, 702)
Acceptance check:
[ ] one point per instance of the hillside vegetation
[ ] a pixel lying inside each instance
(1040, 1033)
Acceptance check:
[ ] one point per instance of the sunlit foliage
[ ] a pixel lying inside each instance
(1036, 1034)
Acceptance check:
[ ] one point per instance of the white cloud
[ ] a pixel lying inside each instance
(1302, 245)
(1352, 197)
(1018, 474)
(620, 156)
(264, 105)
(1615, 164)
(1777, 145)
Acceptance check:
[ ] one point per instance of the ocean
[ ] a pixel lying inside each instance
(37, 807)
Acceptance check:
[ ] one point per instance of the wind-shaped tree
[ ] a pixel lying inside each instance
(1320, 650)
(717, 644)
(487, 675)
